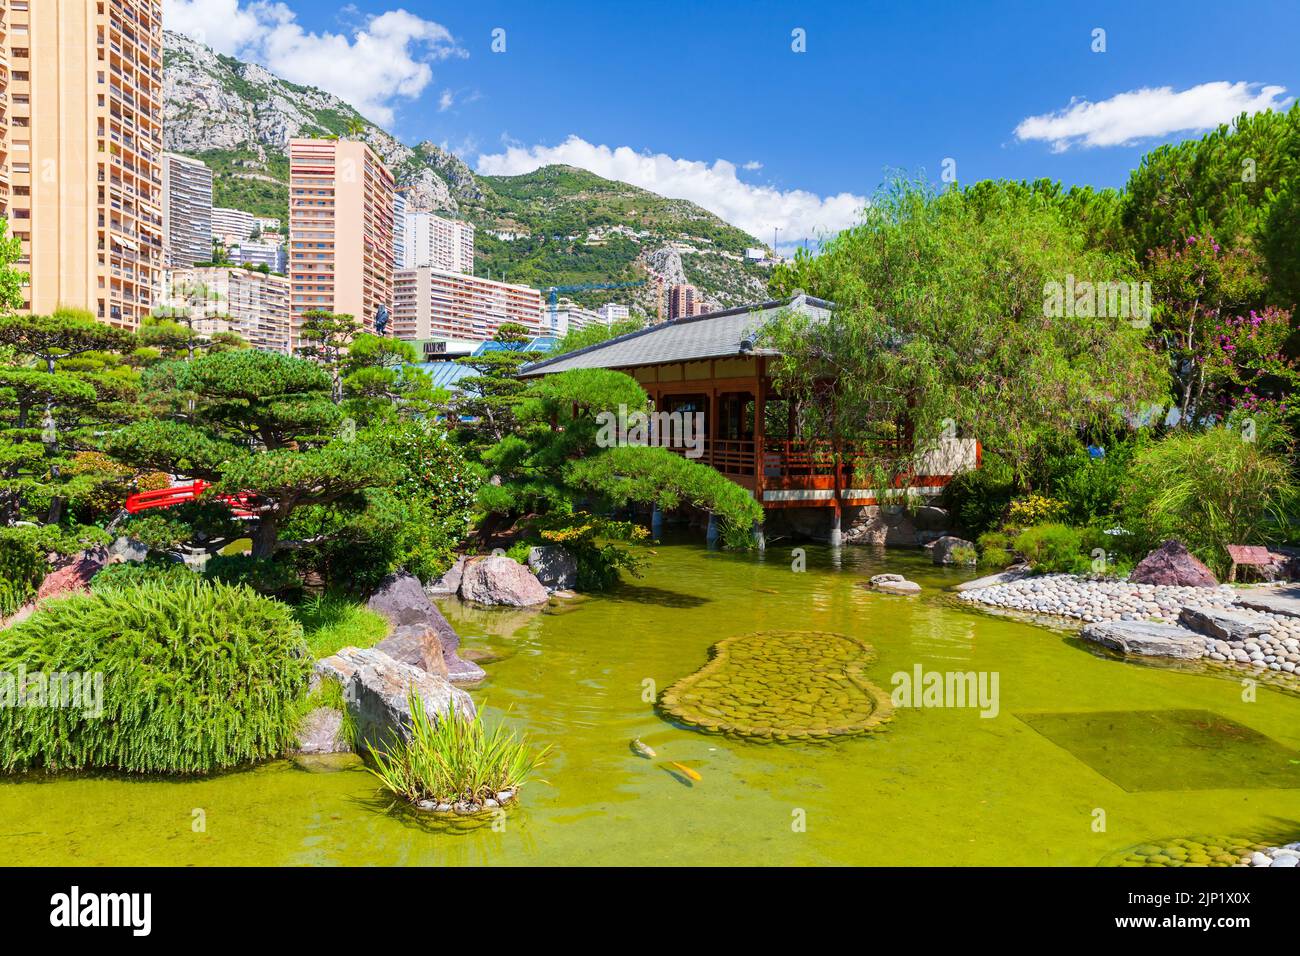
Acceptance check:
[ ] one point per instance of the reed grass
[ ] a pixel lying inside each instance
(455, 759)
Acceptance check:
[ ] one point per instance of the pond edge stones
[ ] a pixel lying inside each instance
(758, 701)
(893, 584)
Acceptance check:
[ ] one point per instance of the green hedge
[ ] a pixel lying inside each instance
(196, 676)
(22, 568)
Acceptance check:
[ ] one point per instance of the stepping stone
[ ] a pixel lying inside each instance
(1146, 639)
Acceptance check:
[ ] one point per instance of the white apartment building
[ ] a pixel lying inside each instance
(270, 254)
(399, 230)
(225, 299)
(613, 312)
(186, 210)
(445, 244)
(569, 316)
(435, 303)
(232, 226)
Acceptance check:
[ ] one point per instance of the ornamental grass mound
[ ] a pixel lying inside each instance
(455, 762)
(164, 676)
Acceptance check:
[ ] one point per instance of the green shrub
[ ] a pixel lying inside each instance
(1091, 488)
(264, 575)
(1053, 547)
(1210, 489)
(125, 574)
(196, 676)
(454, 759)
(979, 499)
(995, 549)
(22, 568)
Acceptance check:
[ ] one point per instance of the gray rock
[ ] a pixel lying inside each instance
(321, 733)
(902, 586)
(417, 645)
(1145, 639)
(127, 549)
(449, 583)
(402, 600)
(932, 518)
(499, 580)
(992, 580)
(375, 689)
(1223, 625)
(941, 551)
(554, 567)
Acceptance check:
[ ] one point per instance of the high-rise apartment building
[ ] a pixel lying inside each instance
(340, 230)
(225, 299)
(446, 244)
(399, 229)
(232, 226)
(682, 300)
(83, 91)
(613, 312)
(431, 303)
(186, 210)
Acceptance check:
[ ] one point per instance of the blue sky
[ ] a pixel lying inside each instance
(680, 96)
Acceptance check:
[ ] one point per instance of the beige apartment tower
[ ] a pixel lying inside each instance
(340, 230)
(84, 152)
(432, 303)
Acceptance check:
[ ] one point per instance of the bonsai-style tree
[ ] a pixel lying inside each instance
(380, 378)
(328, 336)
(64, 380)
(490, 397)
(263, 425)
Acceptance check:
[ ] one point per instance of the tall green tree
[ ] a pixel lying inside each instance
(263, 425)
(12, 280)
(947, 326)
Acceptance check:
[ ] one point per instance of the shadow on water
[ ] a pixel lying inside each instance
(648, 594)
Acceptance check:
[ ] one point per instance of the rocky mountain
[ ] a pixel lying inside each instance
(555, 226)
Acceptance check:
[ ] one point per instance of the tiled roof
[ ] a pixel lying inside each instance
(713, 335)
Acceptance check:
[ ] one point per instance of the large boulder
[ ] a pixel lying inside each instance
(376, 689)
(1173, 564)
(74, 576)
(497, 580)
(1146, 639)
(1224, 625)
(417, 645)
(941, 552)
(932, 518)
(449, 583)
(403, 600)
(554, 567)
(127, 549)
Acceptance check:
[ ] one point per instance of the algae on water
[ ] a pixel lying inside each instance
(782, 685)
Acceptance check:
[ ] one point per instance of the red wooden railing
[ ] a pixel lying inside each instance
(240, 505)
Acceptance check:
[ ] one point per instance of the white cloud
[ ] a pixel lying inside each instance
(445, 101)
(1150, 111)
(753, 165)
(799, 214)
(384, 60)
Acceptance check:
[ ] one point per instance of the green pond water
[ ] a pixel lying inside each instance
(1163, 753)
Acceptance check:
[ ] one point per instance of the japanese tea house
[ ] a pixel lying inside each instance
(714, 364)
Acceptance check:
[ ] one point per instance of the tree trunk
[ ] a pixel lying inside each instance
(265, 537)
